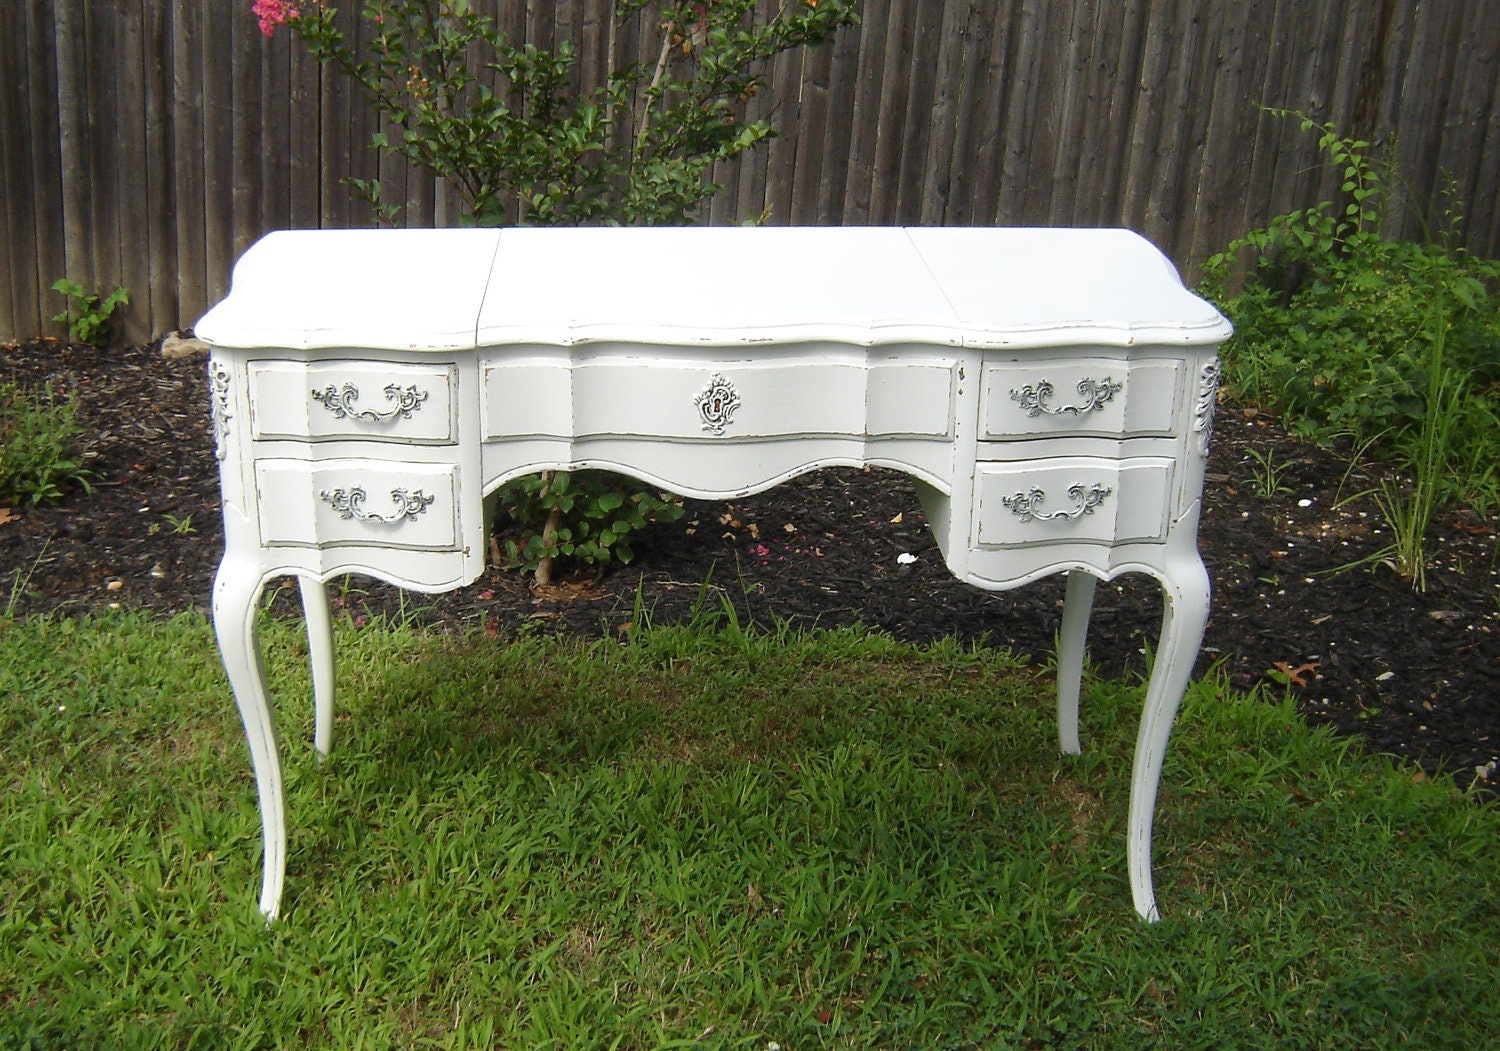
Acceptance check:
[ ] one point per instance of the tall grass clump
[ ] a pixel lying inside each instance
(1395, 344)
(42, 445)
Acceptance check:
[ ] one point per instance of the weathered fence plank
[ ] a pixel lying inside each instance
(189, 162)
(864, 116)
(98, 130)
(76, 200)
(147, 142)
(128, 144)
(219, 134)
(1469, 113)
(18, 277)
(160, 243)
(773, 178)
(1484, 204)
(985, 158)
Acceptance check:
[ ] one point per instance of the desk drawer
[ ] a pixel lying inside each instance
(362, 502)
(338, 400)
(1103, 396)
(718, 400)
(1075, 498)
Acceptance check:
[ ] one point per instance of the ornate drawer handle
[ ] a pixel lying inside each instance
(1027, 505)
(340, 401)
(349, 503)
(1096, 393)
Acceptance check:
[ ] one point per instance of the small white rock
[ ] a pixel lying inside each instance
(175, 345)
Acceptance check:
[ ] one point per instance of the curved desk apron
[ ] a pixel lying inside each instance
(1050, 391)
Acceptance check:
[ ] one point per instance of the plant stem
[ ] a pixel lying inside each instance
(652, 92)
(546, 566)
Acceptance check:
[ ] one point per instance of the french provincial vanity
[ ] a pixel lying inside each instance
(1050, 391)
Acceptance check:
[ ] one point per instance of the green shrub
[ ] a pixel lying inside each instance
(504, 125)
(586, 516)
(1346, 332)
(637, 149)
(40, 447)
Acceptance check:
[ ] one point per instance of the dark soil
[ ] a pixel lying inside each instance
(1413, 674)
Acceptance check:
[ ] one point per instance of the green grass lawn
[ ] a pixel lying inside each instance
(707, 837)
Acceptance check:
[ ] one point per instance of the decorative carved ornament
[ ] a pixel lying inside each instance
(716, 404)
(219, 380)
(1208, 396)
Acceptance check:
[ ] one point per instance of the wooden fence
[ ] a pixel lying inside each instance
(145, 143)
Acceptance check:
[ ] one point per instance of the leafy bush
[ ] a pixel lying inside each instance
(637, 149)
(40, 447)
(1347, 332)
(506, 127)
(587, 516)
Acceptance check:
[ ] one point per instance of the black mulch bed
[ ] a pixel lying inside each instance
(1415, 675)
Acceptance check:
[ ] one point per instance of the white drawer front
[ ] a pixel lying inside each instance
(330, 400)
(717, 401)
(363, 502)
(1079, 498)
(1083, 396)
(731, 402)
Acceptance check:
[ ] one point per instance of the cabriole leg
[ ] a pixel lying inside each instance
(1071, 641)
(315, 611)
(1184, 615)
(234, 609)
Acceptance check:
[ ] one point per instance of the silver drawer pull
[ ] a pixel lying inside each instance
(1026, 506)
(340, 401)
(350, 503)
(1096, 393)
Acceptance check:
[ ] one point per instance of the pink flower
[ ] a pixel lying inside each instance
(273, 13)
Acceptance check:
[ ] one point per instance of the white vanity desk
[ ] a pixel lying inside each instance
(1050, 391)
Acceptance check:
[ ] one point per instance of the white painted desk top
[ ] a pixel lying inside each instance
(1051, 391)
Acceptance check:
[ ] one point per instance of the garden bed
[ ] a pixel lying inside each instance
(1415, 675)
